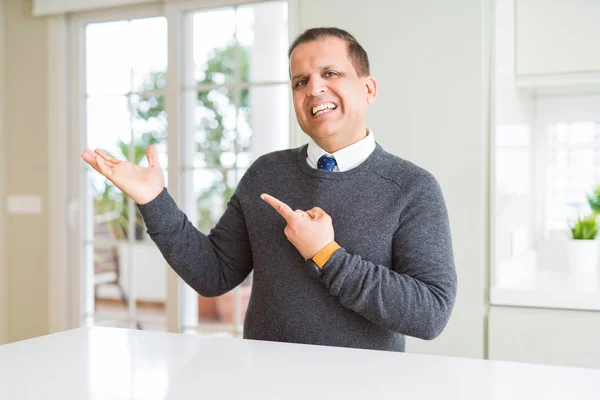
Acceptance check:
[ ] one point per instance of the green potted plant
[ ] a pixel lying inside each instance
(594, 200)
(582, 249)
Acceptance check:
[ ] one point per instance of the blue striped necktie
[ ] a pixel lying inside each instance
(326, 163)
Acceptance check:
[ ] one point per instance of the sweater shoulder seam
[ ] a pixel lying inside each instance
(384, 177)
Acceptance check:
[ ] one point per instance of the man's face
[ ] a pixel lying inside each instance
(330, 99)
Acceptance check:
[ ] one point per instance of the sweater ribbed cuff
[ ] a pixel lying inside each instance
(159, 212)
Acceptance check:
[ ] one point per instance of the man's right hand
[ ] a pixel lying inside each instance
(139, 183)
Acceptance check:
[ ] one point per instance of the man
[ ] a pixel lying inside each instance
(365, 258)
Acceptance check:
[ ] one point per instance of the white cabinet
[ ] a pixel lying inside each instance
(544, 336)
(557, 37)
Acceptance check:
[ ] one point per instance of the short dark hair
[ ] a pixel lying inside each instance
(356, 53)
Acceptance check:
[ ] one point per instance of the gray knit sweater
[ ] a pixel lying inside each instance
(393, 276)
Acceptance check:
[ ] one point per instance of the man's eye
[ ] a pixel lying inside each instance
(301, 82)
(330, 74)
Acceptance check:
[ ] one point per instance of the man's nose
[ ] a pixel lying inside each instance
(317, 86)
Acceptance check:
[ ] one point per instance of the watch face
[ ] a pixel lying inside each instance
(313, 268)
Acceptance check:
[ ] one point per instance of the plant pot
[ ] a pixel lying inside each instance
(583, 255)
(207, 308)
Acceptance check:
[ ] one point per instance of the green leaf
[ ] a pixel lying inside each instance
(585, 229)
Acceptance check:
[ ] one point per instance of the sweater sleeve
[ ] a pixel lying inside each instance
(211, 264)
(416, 296)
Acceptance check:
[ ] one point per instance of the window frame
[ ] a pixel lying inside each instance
(77, 132)
(67, 66)
(552, 109)
(537, 277)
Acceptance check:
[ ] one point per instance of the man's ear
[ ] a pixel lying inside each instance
(371, 87)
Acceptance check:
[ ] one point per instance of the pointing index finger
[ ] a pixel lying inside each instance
(282, 208)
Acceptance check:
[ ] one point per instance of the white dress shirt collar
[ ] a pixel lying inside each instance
(347, 158)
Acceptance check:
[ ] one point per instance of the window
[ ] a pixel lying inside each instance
(573, 170)
(236, 96)
(568, 137)
(124, 106)
(544, 170)
(232, 103)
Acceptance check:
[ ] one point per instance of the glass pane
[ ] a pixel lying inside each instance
(120, 55)
(572, 172)
(215, 122)
(107, 58)
(107, 273)
(113, 289)
(270, 123)
(113, 256)
(148, 53)
(149, 127)
(214, 46)
(262, 35)
(109, 128)
(110, 221)
(247, 44)
(106, 227)
(221, 310)
(125, 272)
(108, 124)
(213, 188)
(217, 314)
(245, 289)
(212, 191)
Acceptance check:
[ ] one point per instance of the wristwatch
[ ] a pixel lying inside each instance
(313, 269)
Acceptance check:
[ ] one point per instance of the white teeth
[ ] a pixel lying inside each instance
(322, 107)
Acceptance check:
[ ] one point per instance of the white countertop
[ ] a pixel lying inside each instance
(109, 363)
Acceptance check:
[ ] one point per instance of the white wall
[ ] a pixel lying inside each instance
(3, 268)
(431, 109)
(26, 161)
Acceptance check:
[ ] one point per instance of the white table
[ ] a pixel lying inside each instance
(106, 363)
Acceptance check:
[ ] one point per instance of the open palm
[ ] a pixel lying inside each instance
(142, 184)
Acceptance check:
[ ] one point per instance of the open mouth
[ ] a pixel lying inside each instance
(323, 108)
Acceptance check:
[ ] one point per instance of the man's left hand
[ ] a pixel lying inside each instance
(309, 231)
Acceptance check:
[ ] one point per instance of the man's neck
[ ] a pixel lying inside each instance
(333, 144)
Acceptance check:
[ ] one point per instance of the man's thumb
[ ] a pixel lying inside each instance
(152, 156)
